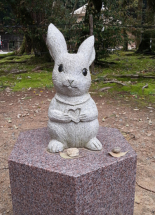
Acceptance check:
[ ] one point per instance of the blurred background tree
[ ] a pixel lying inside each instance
(146, 12)
(113, 23)
(32, 18)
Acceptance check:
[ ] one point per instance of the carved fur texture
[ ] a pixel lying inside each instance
(73, 115)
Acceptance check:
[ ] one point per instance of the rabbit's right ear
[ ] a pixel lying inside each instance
(55, 42)
(87, 49)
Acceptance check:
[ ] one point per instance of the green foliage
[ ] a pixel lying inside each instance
(96, 4)
(32, 19)
(127, 63)
(118, 63)
(6, 55)
(106, 29)
(119, 18)
(69, 4)
(145, 19)
(38, 79)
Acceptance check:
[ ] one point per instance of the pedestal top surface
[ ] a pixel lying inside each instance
(31, 149)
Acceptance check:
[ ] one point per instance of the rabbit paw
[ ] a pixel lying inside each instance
(94, 144)
(55, 146)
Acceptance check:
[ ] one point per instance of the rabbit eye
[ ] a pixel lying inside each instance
(60, 68)
(84, 71)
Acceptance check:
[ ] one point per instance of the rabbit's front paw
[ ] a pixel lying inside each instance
(94, 144)
(83, 117)
(55, 146)
(66, 117)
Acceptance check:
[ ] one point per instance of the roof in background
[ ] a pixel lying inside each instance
(82, 10)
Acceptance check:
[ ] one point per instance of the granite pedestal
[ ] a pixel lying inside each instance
(95, 184)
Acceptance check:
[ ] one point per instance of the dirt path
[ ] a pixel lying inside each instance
(28, 110)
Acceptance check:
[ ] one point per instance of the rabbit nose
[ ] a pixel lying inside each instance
(70, 81)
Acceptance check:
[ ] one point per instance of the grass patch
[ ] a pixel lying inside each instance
(118, 63)
(13, 59)
(127, 63)
(39, 79)
(6, 55)
(27, 80)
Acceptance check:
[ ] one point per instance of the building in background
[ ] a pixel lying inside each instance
(10, 42)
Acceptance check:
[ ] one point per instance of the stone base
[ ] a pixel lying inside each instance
(95, 184)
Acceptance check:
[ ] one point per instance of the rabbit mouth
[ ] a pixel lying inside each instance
(69, 86)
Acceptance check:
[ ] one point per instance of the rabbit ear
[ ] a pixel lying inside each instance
(87, 49)
(55, 41)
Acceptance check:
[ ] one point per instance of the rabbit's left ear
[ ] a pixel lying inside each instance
(87, 49)
(55, 42)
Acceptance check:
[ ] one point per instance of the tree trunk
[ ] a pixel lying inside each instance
(144, 46)
(74, 7)
(8, 46)
(28, 44)
(147, 18)
(22, 47)
(139, 18)
(125, 36)
(90, 24)
(66, 4)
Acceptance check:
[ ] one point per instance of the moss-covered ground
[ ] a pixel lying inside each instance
(127, 63)
(40, 78)
(118, 63)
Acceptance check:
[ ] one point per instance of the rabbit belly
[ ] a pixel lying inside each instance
(73, 134)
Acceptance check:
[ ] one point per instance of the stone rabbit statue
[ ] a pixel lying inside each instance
(73, 115)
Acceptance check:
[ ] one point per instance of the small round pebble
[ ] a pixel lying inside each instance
(73, 152)
(116, 150)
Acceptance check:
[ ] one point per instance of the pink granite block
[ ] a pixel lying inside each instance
(95, 184)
